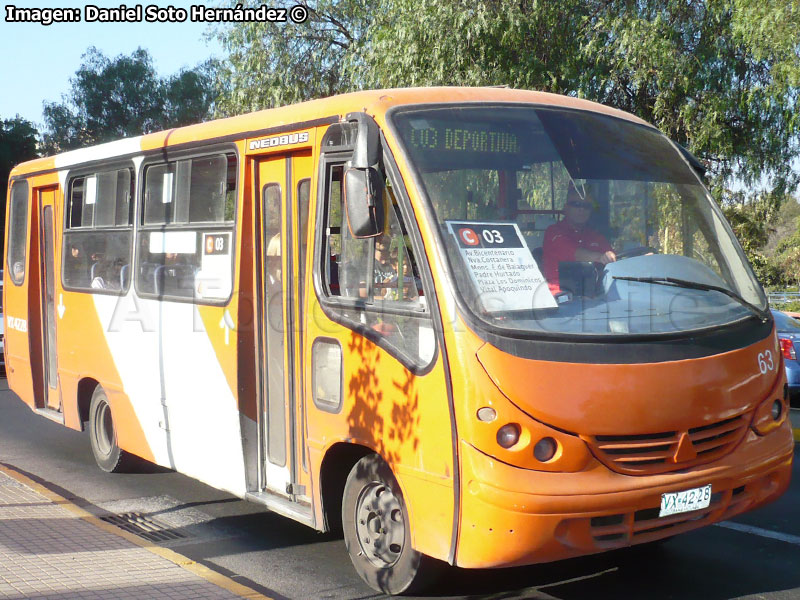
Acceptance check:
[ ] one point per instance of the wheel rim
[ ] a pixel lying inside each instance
(104, 429)
(379, 525)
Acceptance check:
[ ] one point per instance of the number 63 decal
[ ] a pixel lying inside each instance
(765, 362)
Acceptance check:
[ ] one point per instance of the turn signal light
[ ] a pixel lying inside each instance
(487, 414)
(787, 348)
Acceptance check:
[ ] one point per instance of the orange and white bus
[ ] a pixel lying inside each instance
(380, 312)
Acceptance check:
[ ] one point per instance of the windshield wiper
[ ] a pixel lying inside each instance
(694, 285)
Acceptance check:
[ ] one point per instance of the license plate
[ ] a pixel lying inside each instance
(685, 501)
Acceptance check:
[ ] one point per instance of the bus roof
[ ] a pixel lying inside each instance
(374, 102)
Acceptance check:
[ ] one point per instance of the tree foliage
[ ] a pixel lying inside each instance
(17, 144)
(719, 76)
(769, 229)
(272, 64)
(114, 98)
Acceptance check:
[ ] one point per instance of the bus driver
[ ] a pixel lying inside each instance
(571, 240)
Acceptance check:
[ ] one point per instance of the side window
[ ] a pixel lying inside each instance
(18, 231)
(97, 237)
(303, 189)
(347, 257)
(377, 279)
(396, 275)
(185, 243)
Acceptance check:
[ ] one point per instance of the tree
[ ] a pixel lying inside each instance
(272, 64)
(752, 223)
(785, 254)
(719, 76)
(114, 98)
(17, 144)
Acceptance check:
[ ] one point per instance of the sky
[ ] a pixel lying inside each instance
(38, 60)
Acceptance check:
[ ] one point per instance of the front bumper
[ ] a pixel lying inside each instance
(513, 516)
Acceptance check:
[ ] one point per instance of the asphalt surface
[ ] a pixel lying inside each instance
(758, 556)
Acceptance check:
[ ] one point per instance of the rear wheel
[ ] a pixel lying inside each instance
(103, 435)
(376, 531)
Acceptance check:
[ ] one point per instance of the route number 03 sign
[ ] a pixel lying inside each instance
(501, 266)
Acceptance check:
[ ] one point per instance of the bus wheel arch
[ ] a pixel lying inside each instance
(102, 435)
(377, 532)
(86, 387)
(339, 460)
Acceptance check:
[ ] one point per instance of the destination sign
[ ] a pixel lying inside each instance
(463, 139)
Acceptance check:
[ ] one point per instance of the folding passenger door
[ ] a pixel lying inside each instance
(43, 337)
(282, 185)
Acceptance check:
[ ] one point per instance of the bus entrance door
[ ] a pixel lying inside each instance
(44, 348)
(280, 323)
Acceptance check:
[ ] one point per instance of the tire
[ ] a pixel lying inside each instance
(376, 531)
(103, 436)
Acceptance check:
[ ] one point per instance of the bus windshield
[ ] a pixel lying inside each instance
(566, 221)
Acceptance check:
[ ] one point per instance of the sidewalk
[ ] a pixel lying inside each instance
(50, 548)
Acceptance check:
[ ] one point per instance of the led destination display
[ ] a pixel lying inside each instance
(466, 139)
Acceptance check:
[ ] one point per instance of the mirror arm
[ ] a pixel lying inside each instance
(368, 142)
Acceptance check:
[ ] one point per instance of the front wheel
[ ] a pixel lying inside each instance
(103, 435)
(376, 531)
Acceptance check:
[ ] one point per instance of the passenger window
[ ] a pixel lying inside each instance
(18, 231)
(185, 245)
(96, 252)
(378, 278)
(190, 191)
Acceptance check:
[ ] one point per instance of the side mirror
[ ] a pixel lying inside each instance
(363, 201)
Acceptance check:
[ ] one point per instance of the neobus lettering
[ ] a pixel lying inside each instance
(282, 140)
(43, 16)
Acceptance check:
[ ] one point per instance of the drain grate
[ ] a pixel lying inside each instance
(145, 527)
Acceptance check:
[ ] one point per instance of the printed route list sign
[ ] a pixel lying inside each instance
(501, 266)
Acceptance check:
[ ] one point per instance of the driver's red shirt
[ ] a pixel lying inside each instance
(560, 243)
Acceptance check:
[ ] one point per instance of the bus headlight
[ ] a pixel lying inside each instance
(545, 449)
(508, 435)
(777, 409)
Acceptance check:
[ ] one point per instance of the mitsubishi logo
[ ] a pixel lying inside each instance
(685, 450)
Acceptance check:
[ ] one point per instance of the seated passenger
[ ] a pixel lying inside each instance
(76, 266)
(571, 240)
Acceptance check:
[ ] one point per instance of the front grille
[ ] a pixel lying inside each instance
(645, 454)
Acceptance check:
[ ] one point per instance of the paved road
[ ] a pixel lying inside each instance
(760, 558)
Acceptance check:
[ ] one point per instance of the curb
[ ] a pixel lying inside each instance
(184, 562)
